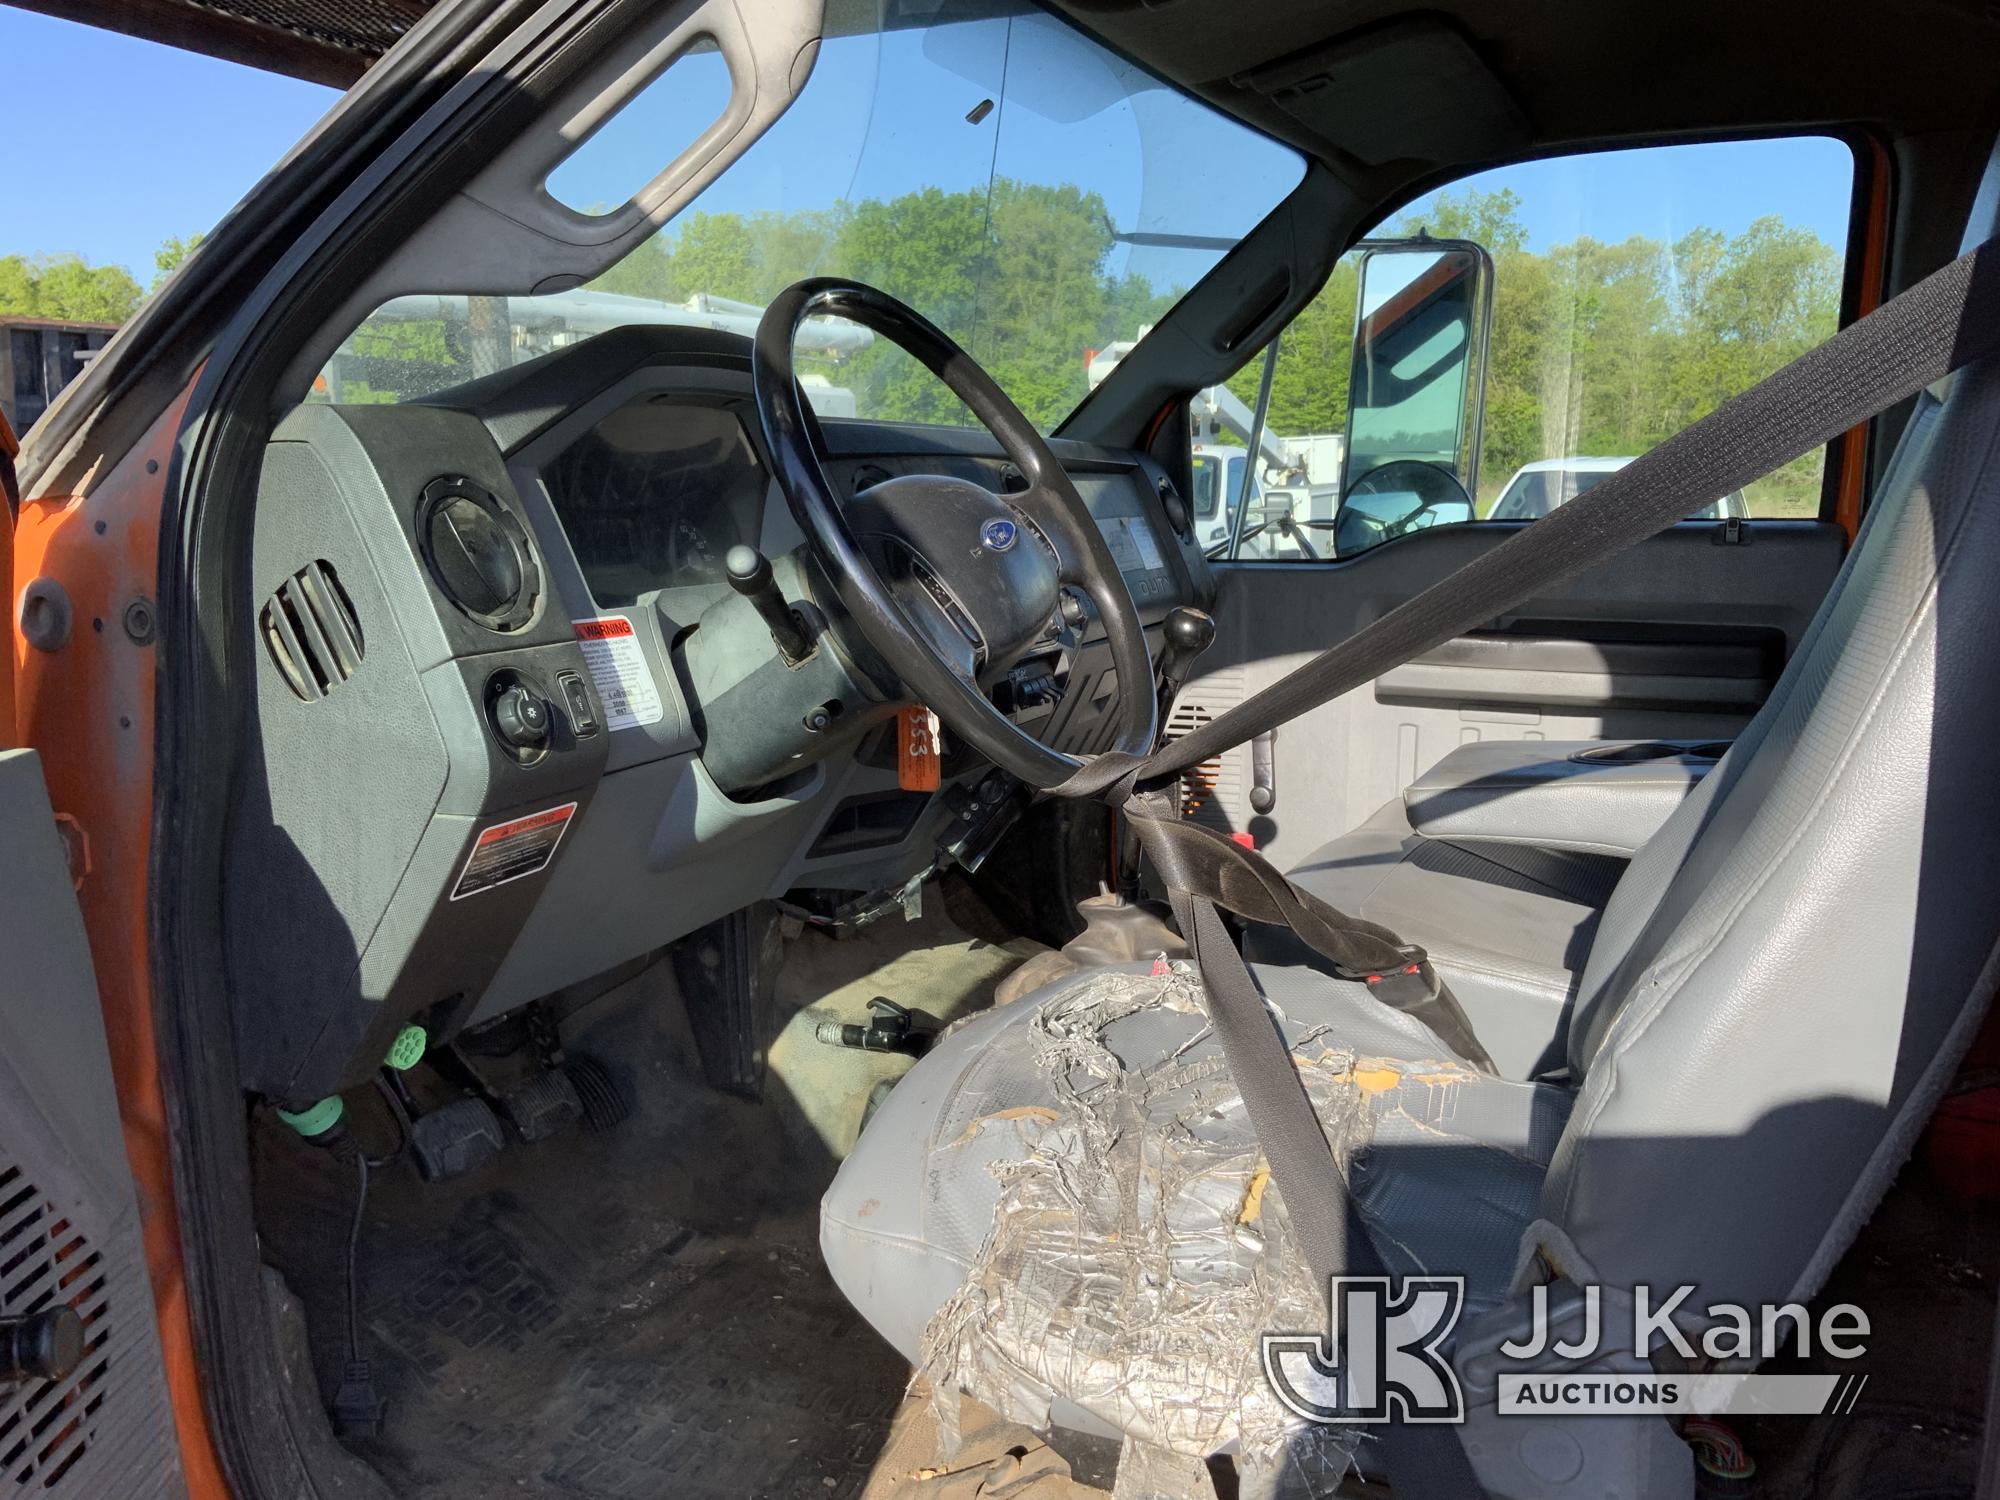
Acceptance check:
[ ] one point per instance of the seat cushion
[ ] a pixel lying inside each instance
(1508, 927)
(1065, 1197)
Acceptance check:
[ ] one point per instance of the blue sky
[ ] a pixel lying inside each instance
(131, 142)
(116, 144)
(1663, 193)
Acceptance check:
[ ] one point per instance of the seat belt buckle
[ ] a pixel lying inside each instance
(1402, 984)
(1391, 974)
(1413, 958)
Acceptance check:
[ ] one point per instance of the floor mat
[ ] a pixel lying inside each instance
(932, 967)
(526, 1353)
(642, 1313)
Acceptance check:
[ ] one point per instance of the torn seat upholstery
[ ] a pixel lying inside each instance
(1092, 1241)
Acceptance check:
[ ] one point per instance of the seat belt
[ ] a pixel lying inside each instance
(1944, 322)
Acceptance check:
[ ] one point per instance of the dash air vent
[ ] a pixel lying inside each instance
(479, 554)
(46, 1426)
(311, 631)
(1211, 792)
(1198, 782)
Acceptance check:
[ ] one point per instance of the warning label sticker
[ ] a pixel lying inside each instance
(617, 665)
(509, 850)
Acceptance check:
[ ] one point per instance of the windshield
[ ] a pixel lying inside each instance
(1036, 196)
(1217, 482)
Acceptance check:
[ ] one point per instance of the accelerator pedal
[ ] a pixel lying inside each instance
(727, 972)
(603, 1103)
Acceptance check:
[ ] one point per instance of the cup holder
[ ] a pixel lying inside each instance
(1626, 752)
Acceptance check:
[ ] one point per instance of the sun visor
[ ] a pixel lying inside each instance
(1410, 89)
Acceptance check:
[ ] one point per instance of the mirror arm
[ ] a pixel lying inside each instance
(1482, 349)
(1254, 446)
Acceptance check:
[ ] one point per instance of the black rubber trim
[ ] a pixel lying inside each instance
(242, 327)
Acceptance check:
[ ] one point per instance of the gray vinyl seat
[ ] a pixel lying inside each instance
(1774, 998)
(1509, 927)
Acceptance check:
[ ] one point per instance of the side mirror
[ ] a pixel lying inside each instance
(1394, 499)
(1417, 383)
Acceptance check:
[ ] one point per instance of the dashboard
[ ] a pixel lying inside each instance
(509, 730)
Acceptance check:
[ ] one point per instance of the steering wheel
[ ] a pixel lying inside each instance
(947, 581)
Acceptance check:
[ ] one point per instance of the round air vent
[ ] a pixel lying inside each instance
(478, 554)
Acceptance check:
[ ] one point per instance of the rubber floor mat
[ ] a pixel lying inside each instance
(524, 1357)
(623, 1315)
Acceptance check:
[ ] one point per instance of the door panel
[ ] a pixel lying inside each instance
(1682, 638)
(69, 1219)
(1573, 665)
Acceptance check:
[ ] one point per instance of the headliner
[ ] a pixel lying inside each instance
(1577, 69)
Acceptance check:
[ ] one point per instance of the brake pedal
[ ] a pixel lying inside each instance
(455, 1138)
(542, 1104)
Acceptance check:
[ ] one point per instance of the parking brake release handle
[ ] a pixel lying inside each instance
(1264, 772)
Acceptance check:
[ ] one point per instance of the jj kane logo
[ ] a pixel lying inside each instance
(1379, 1359)
(1384, 1356)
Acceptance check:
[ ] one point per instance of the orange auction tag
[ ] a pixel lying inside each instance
(917, 749)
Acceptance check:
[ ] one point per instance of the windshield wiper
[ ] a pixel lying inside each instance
(1153, 239)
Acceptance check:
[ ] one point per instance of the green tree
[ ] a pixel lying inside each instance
(1132, 303)
(647, 271)
(1596, 348)
(929, 248)
(1043, 295)
(66, 287)
(791, 247)
(167, 259)
(17, 286)
(1492, 219)
(717, 254)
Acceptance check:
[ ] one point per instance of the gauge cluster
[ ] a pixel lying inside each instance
(655, 494)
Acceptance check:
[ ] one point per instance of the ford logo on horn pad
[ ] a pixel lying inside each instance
(999, 535)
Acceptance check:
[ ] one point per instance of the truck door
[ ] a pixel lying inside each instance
(1602, 335)
(84, 1411)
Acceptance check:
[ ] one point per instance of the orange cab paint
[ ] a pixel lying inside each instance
(1874, 247)
(88, 708)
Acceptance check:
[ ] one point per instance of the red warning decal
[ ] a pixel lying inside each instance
(509, 850)
(618, 666)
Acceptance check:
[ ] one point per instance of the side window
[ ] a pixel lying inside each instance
(1505, 343)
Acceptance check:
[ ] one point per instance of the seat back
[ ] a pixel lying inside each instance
(1788, 973)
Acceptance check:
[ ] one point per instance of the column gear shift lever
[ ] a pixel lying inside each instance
(1189, 632)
